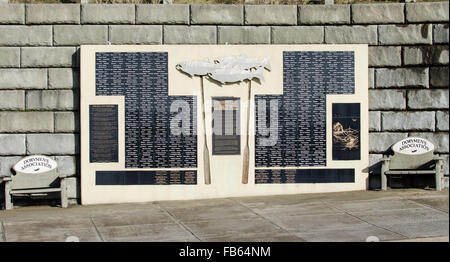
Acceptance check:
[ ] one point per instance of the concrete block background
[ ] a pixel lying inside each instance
(39, 62)
(53, 14)
(378, 14)
(405, 34)
(243, 35)
(10, 56)
(298, 34)
(137, 35)
(217, 14)
(180, 34)
(162, 14)
(327, 14)
(12, 14)
(270, 15)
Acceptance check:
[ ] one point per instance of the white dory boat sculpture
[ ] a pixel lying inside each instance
(230, 69)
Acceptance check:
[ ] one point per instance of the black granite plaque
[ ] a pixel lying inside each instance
(346, 131)
(289, 176)
(226, 139)
(103, 133)
(142, 77)
(145, 177)
(301, 133)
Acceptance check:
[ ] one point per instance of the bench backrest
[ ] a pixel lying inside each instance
(403, 161)
(411, 153)
(29, 181)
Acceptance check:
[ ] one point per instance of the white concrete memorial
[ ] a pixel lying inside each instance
(186, 121)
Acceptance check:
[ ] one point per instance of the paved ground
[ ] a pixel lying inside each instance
(396, 215)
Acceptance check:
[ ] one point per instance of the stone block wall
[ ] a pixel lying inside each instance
(39, 62)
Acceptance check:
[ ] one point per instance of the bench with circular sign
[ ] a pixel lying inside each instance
(34, 175)
(412, 156)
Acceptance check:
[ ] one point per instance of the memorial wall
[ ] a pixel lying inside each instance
(301, 109)
(40, 85)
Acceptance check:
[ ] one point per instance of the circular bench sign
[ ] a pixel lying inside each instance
(35, 165)
(413, 146)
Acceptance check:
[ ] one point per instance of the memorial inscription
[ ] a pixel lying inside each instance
(288, 176)
(226, 138)
(103, 133)
(308, 77)
(142, 77)
(145, 177)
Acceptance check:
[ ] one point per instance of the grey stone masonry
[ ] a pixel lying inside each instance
(243, 34)
(48, 57)
(179, 34)
(374, 158)
(371, 78)
(66, 122)
(9, 56)
(440, 33)
(385, 56)
(429, 55)
(73, 187)
(74, 35)
(26, 122)
(405, 34)
(324, 14)
(6, 163)
(381, 142)
(401, 77)
(63, 78)
(52, 144)
(217, 14)
(351, 34)
(39, 35)
(137, 34)
(387, 99)
(12, 99)
(439, 76)
(53, 14)
(439, 140)
(446, 166)
(12, 144)
(67, 165)
(427, 12)
(404, 121)
(108, 14)
(442, 121)
(23, 78)
(52, 100)
(374, 121)
(270, 14)
(12, 14)
(298, 34)
(162, 14)
(428, 99)
(378, 14)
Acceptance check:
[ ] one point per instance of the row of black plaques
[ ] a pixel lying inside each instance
(262, 176)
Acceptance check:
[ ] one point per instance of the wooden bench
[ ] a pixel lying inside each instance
(34, 184)
(425, 163)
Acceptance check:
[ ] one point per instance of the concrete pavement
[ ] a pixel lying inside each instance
(395, 215)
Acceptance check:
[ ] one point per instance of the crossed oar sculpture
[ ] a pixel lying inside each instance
(226, 70)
